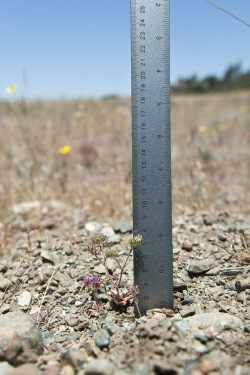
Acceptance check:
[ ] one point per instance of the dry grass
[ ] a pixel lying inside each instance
(3, 300)
(46, 290)
(210, 169)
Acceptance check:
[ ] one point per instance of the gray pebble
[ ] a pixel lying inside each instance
(68, 250)
(72, 322)
(50, 256)
(247, 328)
(122, 227)
(60, 338)
(132, 327)
(99, 367)
(222, 237)
(102, 338)
(242, 297)
(109, 306)
(200, 266)
(73, 310)
(3, 283)
(112, 328)
(113, 240)
(188, 300)
(47, 337)
(71, 261)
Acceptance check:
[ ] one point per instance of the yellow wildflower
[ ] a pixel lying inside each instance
(202, 128)
(64, 150)
(11, 89)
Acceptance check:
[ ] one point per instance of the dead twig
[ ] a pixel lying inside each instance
(17, 268)
(13, 292)
(223, 247)
(48, 285)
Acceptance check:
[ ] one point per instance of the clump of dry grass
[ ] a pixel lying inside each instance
(210, 154)
(238, 246)
(241, 251)
(98, 166)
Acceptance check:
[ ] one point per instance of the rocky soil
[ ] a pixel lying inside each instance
(58, 333)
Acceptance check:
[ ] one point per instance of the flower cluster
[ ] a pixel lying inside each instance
(134, 290)
(92, 282)
(111, 253)
(137, 240)
(99, 239)
(27, 229)
(101, 253)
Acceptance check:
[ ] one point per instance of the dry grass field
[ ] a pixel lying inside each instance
(210, 154)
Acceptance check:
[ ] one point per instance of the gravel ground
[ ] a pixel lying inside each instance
(207, 333)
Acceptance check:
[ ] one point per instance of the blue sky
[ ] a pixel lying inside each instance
(80, 48)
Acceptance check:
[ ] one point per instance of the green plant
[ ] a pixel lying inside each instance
(93, 283)
(102, 253)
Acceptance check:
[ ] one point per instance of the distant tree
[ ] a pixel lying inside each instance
(234, 79)
(232, 72)
(189, 80)
(211, 82)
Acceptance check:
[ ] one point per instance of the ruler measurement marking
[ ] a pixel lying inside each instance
(151, 146)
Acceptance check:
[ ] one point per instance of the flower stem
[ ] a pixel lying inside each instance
(28, 238)
(96, 301)
(103, 261)
(123, 267)
(137, 306)
(115, 286)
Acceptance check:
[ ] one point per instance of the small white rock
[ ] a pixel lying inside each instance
(35, 309)
(108, 231)
(93, 227)
(62, 328)
(23, 208)
(24, 299)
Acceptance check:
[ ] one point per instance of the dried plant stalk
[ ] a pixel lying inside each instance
(17, 268)
(48, 285)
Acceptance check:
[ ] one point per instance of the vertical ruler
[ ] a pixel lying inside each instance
(151, 151)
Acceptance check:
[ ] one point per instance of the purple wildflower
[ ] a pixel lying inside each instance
(86, 279)
(134, 289)
(95, 280)
(92, 282)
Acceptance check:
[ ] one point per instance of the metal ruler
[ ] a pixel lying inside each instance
(151, 149)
